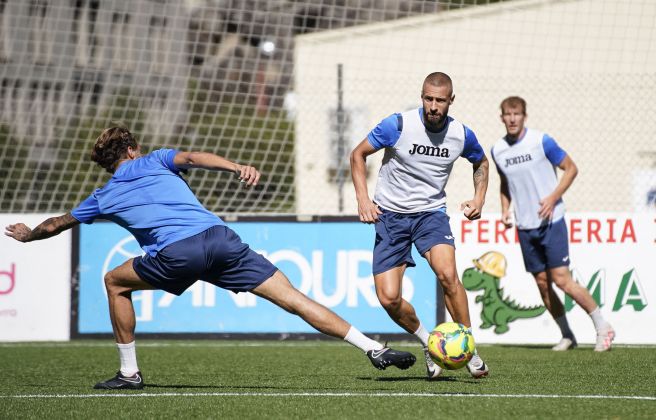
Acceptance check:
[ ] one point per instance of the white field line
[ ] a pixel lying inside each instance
(328, 394)
(201, 344)
(230, 343)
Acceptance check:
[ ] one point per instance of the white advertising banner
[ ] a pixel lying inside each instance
(611, 254)
(34, 284)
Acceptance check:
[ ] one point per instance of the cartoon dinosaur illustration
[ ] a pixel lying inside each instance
(497, 311)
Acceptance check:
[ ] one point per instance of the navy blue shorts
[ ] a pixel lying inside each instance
(545, 247)
(396, 232)
(217, 256)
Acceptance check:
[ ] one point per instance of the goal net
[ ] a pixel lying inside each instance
(291, 86)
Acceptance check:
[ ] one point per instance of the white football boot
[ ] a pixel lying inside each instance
(432, 369)
(565, 343)
(605, 337)
(477, 367)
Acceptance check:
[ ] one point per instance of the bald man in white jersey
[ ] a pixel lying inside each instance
(409, 204)
(526, 160)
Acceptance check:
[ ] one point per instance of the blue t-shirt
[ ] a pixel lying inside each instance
(149, 198)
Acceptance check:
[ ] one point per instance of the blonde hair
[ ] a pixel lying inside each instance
(514, 102)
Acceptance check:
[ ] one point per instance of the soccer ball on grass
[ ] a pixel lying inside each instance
(451, 345)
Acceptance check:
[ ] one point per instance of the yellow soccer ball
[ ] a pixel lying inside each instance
(451, 345)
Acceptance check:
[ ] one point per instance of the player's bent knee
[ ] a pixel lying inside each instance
(110, 283)
(563, 282)
(447, 277)
(114, 285)
(389, 302)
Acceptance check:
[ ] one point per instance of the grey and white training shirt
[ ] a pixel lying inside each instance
(529, 165)
(417, 163)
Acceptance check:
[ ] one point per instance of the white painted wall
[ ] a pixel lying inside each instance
(587, 69)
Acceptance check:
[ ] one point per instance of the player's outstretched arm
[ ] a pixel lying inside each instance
(210, 161)
(50, 227)
(473, 208)
(367, 209)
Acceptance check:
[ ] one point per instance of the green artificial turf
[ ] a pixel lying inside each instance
(321, 379)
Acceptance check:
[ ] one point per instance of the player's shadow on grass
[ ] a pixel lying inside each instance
(407, 379)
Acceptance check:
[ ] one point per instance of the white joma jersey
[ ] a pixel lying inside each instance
(416, 168)
(529, 166)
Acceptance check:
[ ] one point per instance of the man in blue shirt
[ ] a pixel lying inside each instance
(409, 205)
(526, 160)
(183, 242)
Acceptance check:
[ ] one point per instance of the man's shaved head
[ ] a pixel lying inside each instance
(438, 79)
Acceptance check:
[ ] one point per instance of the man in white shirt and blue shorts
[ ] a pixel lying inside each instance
(526, 160)
(409, 205)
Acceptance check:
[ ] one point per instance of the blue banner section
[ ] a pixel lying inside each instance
(329, 262)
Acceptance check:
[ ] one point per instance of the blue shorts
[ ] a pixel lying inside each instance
(545, 247)
(396, 232)
(216, 255)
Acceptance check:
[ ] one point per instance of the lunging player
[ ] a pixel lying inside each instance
(183, 242)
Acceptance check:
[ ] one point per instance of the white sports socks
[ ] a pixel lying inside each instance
(422, 334)
(128, 355)
(598, 319)
(361, 341)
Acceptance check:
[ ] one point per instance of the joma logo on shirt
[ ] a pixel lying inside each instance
(517, 159)
(429, 150)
